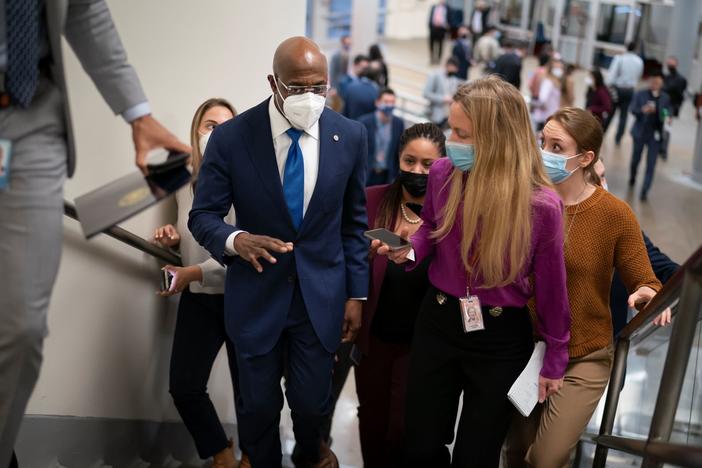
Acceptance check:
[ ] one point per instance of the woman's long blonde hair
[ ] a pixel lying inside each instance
(196, 155)
(497, 194)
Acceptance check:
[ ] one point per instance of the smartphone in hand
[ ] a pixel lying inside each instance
(393, 241)
(166, 280)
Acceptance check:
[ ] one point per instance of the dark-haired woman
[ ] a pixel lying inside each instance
(598, 100)
(393, 302)
(375, 55)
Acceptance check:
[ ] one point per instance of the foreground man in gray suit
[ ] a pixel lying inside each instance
(35, 121)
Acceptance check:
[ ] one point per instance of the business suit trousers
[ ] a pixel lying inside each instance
(548, 436)
(436, 43)
(199, 335)
(445, 362)
(308, 368)
(624, 96)
(31, 233)
(652, 144)
(381, 385)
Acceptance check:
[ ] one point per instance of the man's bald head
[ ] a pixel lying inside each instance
(298, 58)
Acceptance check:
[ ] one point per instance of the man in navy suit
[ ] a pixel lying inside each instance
(360, 95)
(295, 173)
(384, 130)
(652, 110)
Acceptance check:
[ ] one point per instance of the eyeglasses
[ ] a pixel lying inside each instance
(294, 90)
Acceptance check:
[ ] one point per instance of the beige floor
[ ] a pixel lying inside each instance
(672, 217)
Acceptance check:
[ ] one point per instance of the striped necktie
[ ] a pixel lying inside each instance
(22, 75)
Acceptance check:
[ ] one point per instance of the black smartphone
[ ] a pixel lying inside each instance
(166, 280)
(161, 164)
(387, 237)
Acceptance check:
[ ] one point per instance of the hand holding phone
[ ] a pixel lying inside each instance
(388, 243)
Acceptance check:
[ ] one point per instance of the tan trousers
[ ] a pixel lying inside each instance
(546, 438)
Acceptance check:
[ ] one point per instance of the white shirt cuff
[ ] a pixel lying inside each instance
(229, 244)
(134, 112)
(358, 298)
(410, 255)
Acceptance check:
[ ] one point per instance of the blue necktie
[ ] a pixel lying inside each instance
(22, 17)
(294, 178)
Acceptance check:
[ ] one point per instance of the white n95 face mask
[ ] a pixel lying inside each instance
(204, 138)
(303, 110)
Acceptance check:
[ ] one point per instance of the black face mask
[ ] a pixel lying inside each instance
(415, 184)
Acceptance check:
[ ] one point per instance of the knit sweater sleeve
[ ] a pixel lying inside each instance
(630, 256)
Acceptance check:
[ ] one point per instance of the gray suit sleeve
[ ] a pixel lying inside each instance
(93, 37)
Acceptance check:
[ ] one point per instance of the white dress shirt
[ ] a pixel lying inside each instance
(625, 71)
(309, 143)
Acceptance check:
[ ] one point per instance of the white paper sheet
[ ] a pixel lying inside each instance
(524, 393)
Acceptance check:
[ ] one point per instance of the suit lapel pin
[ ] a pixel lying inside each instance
(335, 137)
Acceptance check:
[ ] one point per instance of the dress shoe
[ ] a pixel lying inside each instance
(643, 197)
(225, 458)
(632, 182)
(327, 458)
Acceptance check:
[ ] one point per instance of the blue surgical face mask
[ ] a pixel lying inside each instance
(462, 155)
(387, 110)
(555, 165)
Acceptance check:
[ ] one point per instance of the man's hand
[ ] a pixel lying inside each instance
(148, 134)
(251, 247)
(352, 320)
(548, 387)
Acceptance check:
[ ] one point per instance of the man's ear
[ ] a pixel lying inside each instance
(273, 84)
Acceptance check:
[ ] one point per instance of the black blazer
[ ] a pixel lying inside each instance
(397, 126)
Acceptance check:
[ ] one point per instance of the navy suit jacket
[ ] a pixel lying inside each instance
(646, 124)
(330, 256)
(392, 157)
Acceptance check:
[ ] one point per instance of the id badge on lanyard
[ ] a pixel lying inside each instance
(471, 312)
(5, 155)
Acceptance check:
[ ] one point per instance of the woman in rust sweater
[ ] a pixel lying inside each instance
(601, 234)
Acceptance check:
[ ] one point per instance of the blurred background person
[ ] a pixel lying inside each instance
(538, 75)
(438, 25)
(360, 63)
(624, 74)
(568, 86)
(487, 49)
(674, 85)
(339, 62)
(384, 131)
(652, 110)
(393, 302)
(598, 99)
(360, 94)
(199, 331)
(479, 20)
(508, 66)
(548, 100)
(462, 51)
(455, 17)
(439, 90)
(375, 55)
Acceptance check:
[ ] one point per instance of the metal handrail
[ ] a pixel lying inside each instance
(686, 286)
(663, 452)
(130, 239)
(665, 297)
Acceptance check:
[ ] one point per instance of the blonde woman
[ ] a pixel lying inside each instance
(199, 332)
(602, 234)
(490, 221)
